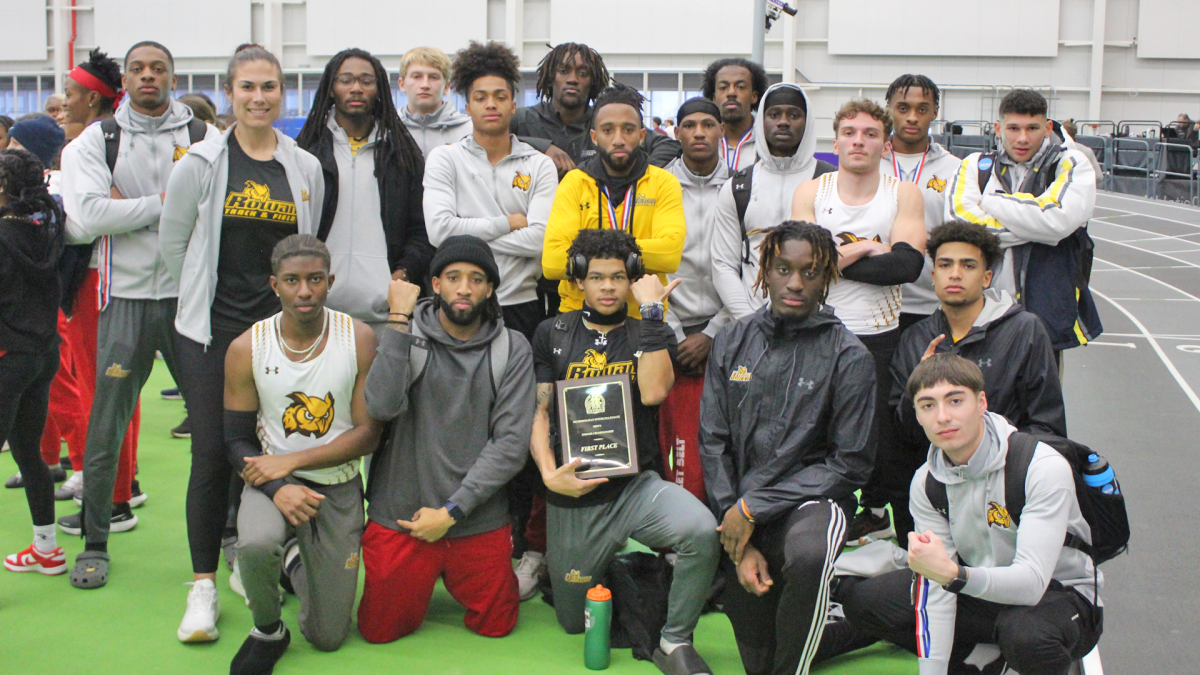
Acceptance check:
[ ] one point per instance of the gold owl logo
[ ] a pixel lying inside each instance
(522, 181)
(180, 151)
(849, 238)
(352, 561)
(594, 360)
(594, 404)
(936, 184)
(998, 515)
(308, 415)
(740, 375)
(255, 191)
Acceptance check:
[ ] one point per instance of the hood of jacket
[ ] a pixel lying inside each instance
(130, 120)
(594, 167)
(803, 160)
(445, 117)
(936, 152)
(425, 316)
(688, 179)
(989, 457)
(785, 328)
(212, 149)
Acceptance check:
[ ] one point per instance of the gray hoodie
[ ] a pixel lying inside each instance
(130, 265)
(1009, 565)
(441, 127)
(775, 180)
(695, 301)
(190, 235)
(454, 439)
(465, 194)
(356, 242)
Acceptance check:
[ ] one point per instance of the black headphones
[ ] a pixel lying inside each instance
(577, 266)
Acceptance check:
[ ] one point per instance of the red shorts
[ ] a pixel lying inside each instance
(679, 435)
(401, 572)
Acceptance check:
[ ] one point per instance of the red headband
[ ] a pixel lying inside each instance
(93, 83)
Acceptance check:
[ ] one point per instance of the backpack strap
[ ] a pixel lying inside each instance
(741, 182)
(986, 168)
(498, 357)
(1021, 447)
(112, 141)
(560, 338)
(197, 130)
(935, 491)
(418, 356)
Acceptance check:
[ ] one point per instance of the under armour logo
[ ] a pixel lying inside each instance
(557, 350)
(984, 363)
(739, 186)
(829, 210)
(601, 341)
(585, 206)
(806, 383)
(267, 370)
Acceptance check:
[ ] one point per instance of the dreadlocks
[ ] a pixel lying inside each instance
(565, 54)
(393, 145)
(824, 251)
(23, 184)
(902, 84)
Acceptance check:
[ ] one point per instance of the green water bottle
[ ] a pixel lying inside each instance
(597, 623)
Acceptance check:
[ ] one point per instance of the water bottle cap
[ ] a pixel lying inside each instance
(1093, 457)
(599, 594)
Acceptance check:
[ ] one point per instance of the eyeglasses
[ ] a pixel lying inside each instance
(347, 80)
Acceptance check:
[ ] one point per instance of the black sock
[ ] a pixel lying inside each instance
(270, 629)
(102, 547)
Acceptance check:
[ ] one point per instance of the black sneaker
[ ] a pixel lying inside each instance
(65, 462)
(122, 520)
(184, 430)
(172, 394)
(57, 473)
(15, 481)
(260, 653)
(137, 497)
(867, 524)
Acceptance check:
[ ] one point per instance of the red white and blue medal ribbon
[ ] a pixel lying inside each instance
(920, 167)
(612, 212)
(737, 153)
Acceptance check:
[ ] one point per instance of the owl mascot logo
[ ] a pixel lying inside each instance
(307, 415)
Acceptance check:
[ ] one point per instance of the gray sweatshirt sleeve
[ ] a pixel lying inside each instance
(441, 207)
(1050, 491)
(181, 208)
(387, 385)
(98, 213)
(726, 250)
(527, 242)
(70, 195)
(935, 636)
(512, 425)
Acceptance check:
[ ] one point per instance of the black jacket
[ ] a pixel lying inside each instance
(1011, 347)
(541, 127)
(786, 413)
(29, 253)
(400, 194)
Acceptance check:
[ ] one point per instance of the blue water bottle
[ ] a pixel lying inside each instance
(1099, 475)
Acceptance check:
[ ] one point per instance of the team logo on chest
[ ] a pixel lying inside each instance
(850, 238)
(740, 375)
(595, 364)
(998, 515)
(936, 184)
(308, 415)
(522, 181)
(180, 151)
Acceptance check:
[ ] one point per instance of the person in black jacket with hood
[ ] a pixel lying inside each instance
(373, 170)
(1010, 345)
(785, 419)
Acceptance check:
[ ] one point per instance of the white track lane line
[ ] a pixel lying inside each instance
(1147, 215)
(1159, 281)
(1157, 235)
(1146, 250)
(1187, 389)
(1147, 202)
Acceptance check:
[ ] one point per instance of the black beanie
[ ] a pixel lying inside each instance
(41, 136)
(786, 96)
(695, 105)
(466, 249)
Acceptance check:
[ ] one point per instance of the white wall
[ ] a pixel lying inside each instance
(1133, 86)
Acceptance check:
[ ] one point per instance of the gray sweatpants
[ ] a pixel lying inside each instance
(128, 333)
(581, 542)
(329, 553)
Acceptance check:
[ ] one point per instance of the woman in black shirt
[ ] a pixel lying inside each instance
(31, 240)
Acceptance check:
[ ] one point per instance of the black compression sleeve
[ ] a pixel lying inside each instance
(241, 442)
(902, 266)
(656, 336)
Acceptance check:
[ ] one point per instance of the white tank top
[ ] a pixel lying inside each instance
(303, 405)
(866, 309)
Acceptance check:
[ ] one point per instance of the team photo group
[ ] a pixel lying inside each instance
(491, 348)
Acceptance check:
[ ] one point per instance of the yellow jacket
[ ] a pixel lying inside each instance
(658, 226)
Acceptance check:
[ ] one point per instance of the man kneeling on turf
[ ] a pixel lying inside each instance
(978, 577)
(296, 424)
(589, 520)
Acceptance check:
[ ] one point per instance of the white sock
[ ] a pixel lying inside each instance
(879, 513)
(668, 647)
(44, 538)
(277, 635)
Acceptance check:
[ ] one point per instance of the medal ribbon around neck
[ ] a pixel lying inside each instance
(920, 167)
(737, 153)
(612, 212)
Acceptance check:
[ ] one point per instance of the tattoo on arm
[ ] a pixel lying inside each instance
(544, 392)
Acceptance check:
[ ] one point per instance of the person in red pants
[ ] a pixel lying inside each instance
(459, 387)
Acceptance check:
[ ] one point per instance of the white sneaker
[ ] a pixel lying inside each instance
(200, 621)
(67, 490)
(531, 568)
(235, 582)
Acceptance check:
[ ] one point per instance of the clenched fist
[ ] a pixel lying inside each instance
(402, 298)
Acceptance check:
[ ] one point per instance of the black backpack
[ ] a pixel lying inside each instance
(1104, 512)
(742, 181)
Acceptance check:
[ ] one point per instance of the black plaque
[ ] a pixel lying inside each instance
(595, 417)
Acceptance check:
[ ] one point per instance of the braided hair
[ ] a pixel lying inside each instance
(902, 84)
(394, 146)
(824, 251)
(565, 53)
(23, 184)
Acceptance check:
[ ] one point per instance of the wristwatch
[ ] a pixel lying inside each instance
(651, 311)
(455, 512)
(956, 584)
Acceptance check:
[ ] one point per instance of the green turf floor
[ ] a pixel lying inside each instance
(128, 627)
